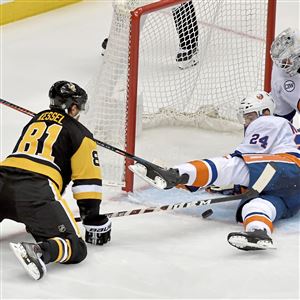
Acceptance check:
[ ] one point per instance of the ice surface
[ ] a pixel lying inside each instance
(158, 255)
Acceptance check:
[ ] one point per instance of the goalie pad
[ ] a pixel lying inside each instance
(159, 177)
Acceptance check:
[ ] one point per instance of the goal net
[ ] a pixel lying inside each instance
(175, 62)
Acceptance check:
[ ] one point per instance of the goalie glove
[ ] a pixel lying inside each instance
(159, 177)
(97, 229)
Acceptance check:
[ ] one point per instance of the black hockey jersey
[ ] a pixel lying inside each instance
(58, 146)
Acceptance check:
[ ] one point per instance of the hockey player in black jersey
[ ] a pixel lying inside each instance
(54, 149)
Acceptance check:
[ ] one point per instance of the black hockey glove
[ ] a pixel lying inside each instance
(235, 189)
(97, 229)
(172, 177)
(159, 177)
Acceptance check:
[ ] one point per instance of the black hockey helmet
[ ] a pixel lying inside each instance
(63, 94)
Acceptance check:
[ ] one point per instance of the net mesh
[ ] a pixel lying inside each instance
(197, 60)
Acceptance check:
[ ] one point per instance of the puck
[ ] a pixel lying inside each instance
(207, 213)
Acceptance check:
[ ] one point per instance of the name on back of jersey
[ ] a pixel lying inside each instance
(51, 116)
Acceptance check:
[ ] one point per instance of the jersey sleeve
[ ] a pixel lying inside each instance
(86, 171)
(219, 171)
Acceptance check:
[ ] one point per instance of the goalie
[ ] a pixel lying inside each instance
(267, 139)
(285, 84)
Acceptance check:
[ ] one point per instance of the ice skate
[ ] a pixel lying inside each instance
(29, 255)
(250, 240)
(186, 58)
(103, 46)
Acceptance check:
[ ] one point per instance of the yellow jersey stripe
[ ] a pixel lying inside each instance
(66, 208)
(60, 249)
(29, 165)
(88, 195)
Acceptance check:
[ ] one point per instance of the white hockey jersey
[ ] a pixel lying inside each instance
(265, 135)
(269, 135)
(285, 91)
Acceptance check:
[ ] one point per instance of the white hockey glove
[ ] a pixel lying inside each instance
(160, 178)
(97, 229)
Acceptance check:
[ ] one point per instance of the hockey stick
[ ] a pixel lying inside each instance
(259, 185)
(100, 143)
(253, 192)
(16, 107)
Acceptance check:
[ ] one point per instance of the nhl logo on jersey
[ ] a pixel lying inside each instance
(289, 85)
(61, 228)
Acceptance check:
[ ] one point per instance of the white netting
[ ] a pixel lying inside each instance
(226, 41)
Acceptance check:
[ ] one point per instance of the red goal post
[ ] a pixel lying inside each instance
(223, 27)
(133, 78)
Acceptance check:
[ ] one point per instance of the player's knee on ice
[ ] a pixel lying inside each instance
(73, 254)
(79, 250)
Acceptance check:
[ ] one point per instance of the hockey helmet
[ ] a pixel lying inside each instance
(63, 94)
(257, 102)
(285, 51)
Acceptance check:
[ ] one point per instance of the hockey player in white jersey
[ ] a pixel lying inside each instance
(267, 139)
(285, 83)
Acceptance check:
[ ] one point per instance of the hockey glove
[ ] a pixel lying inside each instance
(97, 229)
(160, 178)
(235, 189)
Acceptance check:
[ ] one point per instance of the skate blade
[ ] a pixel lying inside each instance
(183, 65)
(21, 254)
(242, 243)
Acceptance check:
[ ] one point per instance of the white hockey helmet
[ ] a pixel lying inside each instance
(285, 51)
(257, 102)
